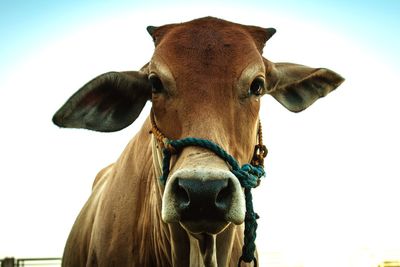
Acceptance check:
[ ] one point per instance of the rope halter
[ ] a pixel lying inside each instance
(249, 176)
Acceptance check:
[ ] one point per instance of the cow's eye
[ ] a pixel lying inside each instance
(257, 86)
(156, 84)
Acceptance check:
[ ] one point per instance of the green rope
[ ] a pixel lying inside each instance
(248, 176)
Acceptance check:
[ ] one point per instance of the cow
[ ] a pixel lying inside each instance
(204, 80)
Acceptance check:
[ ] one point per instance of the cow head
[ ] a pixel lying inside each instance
(205, 80)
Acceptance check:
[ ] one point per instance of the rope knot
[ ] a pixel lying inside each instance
(249, 175)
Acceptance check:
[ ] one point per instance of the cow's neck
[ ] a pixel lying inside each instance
(188, 250)
(204, 248)
(134, 197)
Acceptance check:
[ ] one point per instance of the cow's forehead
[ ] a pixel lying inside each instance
(210, 25)
(208, 42)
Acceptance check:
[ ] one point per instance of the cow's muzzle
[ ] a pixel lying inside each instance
(203, 200)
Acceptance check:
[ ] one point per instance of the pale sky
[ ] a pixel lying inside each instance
(333, 180)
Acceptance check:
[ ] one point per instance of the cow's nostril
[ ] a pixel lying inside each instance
(182, 196)
(224, 198)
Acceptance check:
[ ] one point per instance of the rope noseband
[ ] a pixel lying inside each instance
(248, 175)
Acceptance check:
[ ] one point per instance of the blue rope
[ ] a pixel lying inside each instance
(248, 176)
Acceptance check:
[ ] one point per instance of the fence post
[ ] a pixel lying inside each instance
(8, 262)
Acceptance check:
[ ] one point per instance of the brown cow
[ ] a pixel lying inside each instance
(204, 80)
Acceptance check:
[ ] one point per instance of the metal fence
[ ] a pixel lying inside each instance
(31, 262)
(390, 264)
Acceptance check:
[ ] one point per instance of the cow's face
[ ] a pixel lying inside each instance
(205, 80)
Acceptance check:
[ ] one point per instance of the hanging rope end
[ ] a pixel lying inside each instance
(243, 260)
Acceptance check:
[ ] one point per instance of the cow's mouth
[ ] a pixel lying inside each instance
(202, 227)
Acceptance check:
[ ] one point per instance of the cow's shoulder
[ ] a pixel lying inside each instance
(102, 175)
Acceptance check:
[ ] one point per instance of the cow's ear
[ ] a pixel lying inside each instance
(108, 103)
(296, 87)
